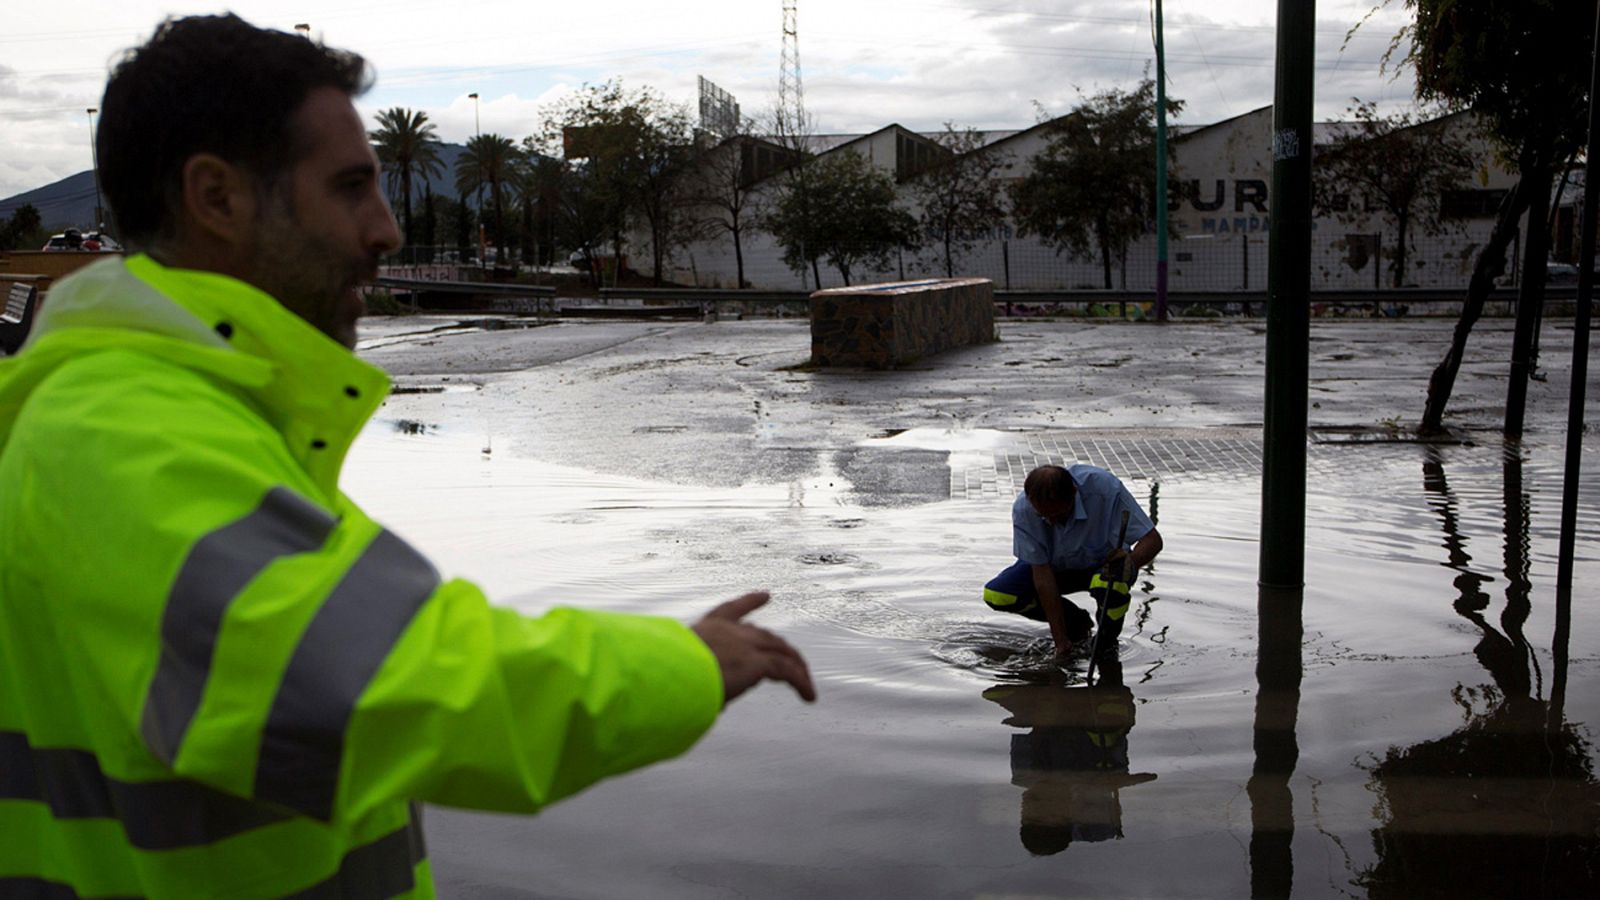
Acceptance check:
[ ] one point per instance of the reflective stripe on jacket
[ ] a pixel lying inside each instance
(218, 677)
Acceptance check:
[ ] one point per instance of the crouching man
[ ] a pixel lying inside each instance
(1068, 537)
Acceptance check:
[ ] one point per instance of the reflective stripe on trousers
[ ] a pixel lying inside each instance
(1118, 590)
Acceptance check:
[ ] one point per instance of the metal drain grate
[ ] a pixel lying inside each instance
(1232, 455)
(1135, 454)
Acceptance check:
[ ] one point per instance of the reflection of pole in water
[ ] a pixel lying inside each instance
(1518, 549)
(1278, 674)
(1141, 615)
(1507, 804)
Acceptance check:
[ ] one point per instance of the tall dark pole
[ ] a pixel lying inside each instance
(1283, 468)
(1161, 170)
(94, 155)
(1580, 375)
(477, 133)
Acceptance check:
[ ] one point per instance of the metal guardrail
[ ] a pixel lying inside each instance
(482, 288)
(674, 300)
(1176, 298)
(705, 295)
(1332, 297)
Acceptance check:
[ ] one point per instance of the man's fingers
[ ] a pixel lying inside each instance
(749, 654)
(782, 661)
(770, 642)
(793, 670)
(739, 607)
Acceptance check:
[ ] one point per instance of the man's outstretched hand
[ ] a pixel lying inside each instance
(748, 654)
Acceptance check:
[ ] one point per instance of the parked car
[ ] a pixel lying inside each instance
(73, 239)
(1560, 273)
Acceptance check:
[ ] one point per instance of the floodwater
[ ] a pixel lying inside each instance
(1422, 725)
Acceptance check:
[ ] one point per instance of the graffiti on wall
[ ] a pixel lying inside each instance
(1249, 206)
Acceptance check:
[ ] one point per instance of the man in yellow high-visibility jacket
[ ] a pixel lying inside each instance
(218, 677)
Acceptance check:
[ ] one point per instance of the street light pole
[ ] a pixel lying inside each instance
(477, 129)
(94, 155)
(1161, 169)
(1283, 465)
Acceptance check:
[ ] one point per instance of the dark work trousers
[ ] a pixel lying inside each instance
(1012, 591)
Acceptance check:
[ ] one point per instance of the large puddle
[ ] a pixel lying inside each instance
(1419, 727)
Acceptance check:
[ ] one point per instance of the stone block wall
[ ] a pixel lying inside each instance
(878, 326)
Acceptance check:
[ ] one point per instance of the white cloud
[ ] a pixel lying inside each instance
(977, 62)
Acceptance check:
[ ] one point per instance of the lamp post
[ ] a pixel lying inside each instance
(1161, 169)
(94, 155)
(477, 131)
(1283, 463)
(303, 29)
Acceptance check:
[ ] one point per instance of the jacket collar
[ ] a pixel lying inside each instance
(312, 389)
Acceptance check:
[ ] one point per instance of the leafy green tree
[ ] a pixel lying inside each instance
(1090, 190)
(428, 226)
(959, 196)
(844, 211)
(537, 184)
(722, 190)
(23, 230)
(629, 151)
(793, 129)
(407, 146)
(457, 220)
(1523, 66)
(666, 156)
(490, 160)
(583, 206)
(1397, 165)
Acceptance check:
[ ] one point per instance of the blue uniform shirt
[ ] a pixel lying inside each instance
(1091, 535)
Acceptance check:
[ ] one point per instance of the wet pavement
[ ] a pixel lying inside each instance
(1422, 726)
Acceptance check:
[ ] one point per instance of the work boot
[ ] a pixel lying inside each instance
(1079, 623)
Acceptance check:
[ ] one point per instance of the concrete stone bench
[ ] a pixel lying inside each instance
(878, 326)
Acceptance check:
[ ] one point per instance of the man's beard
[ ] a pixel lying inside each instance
(305, 275)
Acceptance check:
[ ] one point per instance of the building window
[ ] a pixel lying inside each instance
(1470, 204)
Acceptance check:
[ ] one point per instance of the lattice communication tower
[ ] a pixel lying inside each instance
(791, 98)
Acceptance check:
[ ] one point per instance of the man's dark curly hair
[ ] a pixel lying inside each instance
(206, 84)
(1049, 483)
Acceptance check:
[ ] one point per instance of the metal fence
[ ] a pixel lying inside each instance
(1221, 261)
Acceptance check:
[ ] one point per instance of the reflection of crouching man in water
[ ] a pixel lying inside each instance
(1065, 527)
(1074, 762)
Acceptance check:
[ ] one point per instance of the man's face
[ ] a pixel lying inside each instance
(1056, 512)
(324, 224)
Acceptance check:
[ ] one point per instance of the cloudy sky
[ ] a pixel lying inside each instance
(990, 64)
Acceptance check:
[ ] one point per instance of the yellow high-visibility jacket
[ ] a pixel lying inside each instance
(218, 677)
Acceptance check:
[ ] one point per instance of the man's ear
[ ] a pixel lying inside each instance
(219, 198)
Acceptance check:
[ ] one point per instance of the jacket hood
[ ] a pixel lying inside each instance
(300, 379)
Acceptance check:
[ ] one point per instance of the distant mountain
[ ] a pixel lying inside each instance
(69, 203)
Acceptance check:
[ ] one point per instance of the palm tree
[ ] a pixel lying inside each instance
(407, 145)
(490, 160)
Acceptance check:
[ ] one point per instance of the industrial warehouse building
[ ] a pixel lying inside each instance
(1220, 216)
